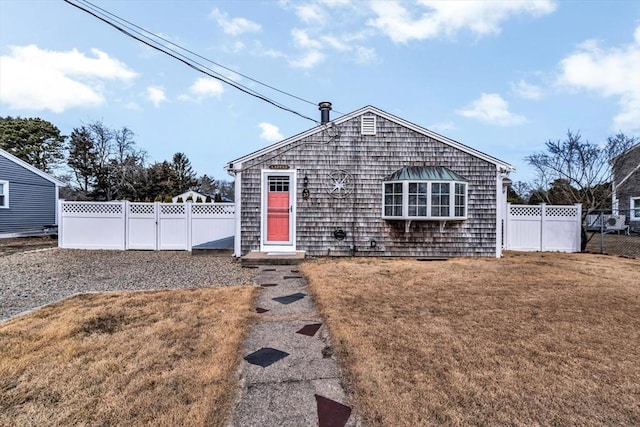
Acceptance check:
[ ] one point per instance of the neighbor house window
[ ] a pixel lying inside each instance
(424, 193)
(635, 208)
(4, 194)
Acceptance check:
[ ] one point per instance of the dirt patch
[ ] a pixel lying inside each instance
(162, 358)
(530, 339)
(23, 244)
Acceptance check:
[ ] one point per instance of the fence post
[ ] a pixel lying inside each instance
(60, 226)
(126, 224)
(543, 208)
(188, 224)
(601, 231)
(578, 247)
(156, 209)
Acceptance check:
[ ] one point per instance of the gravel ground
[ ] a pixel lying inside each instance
(32, 279)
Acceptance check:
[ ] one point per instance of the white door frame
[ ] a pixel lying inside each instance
(289, 246)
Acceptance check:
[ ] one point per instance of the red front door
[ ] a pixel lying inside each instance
(278, 209)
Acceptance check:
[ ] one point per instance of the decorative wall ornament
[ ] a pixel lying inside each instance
(339, 184)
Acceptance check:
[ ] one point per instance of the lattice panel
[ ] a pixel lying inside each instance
(172, 209)
(525, 211)
(562, 211)
(92, 208)
(198, 209)
(142, 208)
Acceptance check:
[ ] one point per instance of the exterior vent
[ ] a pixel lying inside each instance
(368, 125)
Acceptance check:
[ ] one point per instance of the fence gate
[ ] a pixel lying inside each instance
(543, 228)
(143, 226)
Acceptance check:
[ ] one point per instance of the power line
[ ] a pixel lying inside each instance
(198, 55)
(185, 60)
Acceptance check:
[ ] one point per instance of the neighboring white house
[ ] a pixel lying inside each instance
(193, 194)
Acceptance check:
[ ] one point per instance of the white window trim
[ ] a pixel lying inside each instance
(632, 208)
(5, 193)
(405, 201)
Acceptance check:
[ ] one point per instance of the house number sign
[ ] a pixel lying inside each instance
(279, 167)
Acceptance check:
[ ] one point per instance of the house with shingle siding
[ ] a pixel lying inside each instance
(28, 196)
(626, 186)
(369, 184)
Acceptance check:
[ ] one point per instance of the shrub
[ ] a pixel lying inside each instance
(198, 199)
(208, 199)
(179, 200)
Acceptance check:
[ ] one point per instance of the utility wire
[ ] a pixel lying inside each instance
(188, 62)
(196, 54)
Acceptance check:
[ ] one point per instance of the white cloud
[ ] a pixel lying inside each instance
(234, 26)
(365, 55)
(302, 40)
(35, 79)
(613, 72)
(311, 14)
(309, 60)
(491, 108)
(526, 90)
(434, 18)
(270, 132)
(156, 95)
(203, 87)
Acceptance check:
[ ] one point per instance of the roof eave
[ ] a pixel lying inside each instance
(32, 168)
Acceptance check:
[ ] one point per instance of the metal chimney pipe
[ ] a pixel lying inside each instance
(324, 108)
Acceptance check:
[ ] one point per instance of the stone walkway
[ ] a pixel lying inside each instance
(288, 375)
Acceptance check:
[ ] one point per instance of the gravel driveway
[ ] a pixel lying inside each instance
(32, 279)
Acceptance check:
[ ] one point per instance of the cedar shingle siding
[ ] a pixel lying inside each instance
(631, 187)
(369, 158)
(32, 199)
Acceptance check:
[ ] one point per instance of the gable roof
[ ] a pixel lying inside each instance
(31, 168)
(372, 110)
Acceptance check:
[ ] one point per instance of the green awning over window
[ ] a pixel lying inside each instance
(424, 173)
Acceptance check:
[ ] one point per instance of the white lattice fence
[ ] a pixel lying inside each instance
(143, 226)
(91, 225)
(543, 228)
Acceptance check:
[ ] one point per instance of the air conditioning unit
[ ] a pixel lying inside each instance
(615, 222)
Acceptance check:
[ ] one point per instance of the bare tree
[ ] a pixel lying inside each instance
(578, 172)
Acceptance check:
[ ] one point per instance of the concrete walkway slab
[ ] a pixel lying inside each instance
(289, 390)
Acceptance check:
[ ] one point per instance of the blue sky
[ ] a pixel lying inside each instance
(502, 77)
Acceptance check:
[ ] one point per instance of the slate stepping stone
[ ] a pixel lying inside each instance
(269, 285)
(288, 299)
(265, 356)
(295, 271)
(269, 269)
(309, 330)
(261, 310)
(331, 413)
(293, 277)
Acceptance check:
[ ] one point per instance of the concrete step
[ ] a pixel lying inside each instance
(255, 258)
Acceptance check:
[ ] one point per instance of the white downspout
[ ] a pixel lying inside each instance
(499, 212)
(237, 241)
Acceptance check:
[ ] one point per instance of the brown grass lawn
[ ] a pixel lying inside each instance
(165, 358)
(530, 339)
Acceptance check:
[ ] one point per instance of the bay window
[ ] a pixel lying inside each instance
(424, 193)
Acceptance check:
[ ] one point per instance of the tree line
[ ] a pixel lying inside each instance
(102, 163)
